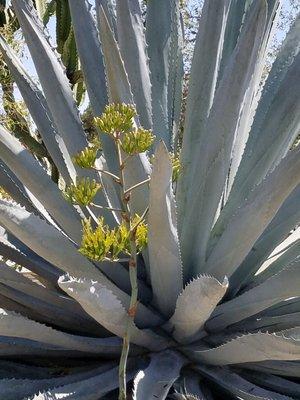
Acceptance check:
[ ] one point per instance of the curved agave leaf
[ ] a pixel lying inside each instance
(284, 221)
(43, 238)
(36, 104)
(284, 285)
(105, 308)
(286, 258)
(268, 324)
(202, 85)
(92, 63)
(54, 82)
(110, 12)
(56, 88)
(36, 179)
(212, 160)
(163, 244)
(275, 383)
(175, 78)
(15, 325)
(13, 250)
(158, 37)
(195, 305)
(237, 385)
(39, 310)
(137, 167)
(280, 368)
(253, 217)
(132, 43)
(235, 20)
(250, 348)
(155, 381)
(13, 279)
(276, 123)
(18, 389)
(253, 93)
(11, 184)
(88, 389)
(44, 304)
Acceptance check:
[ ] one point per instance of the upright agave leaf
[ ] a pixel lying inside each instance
(220, 321)
(212, 160)
(163, 27)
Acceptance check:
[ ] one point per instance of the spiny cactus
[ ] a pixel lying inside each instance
(215, 308)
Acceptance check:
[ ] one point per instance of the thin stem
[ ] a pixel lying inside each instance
(136, 186)
(133, 283)
(103, 171)
(106, 208)
(141, 219)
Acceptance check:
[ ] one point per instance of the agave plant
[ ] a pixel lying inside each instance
(219, 282)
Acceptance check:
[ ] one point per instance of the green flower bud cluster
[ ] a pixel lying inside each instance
(104, 243)
(137, 141)
(116, 118)
(86, 158)
(83, 192)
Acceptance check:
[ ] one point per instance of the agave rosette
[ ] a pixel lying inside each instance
(219, 306)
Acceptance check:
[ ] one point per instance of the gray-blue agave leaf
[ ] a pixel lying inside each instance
(202, 85)
(282, 224)
(275, 383)
(194, 306)
(161, 25)
(17, 389)
(138, 167)
(253, 94)
(36, 179)
(40, 113)
(284, 285)
(287, 256)
(92, 64)
(163, 243)
(212, 159)
(43, 238)
(51, 74)
(175, 78)
(233, 383)
(15, 325)
(14, 187)
(254, 216)
(274, 128)
(281, 368)
(56, 87)
(87, 389)
(155, 381)
(12, 249)
(110, 11)
(132, 44)
(106, 308)
(252, 347)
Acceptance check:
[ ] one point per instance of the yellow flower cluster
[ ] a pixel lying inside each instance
(86, 158)
(116, 118)
(137, 141)
(104, 243)
(83, 192)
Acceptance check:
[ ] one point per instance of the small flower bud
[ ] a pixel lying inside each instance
(86, 158)
(137, 141)
(116, 118)
(83, 192)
